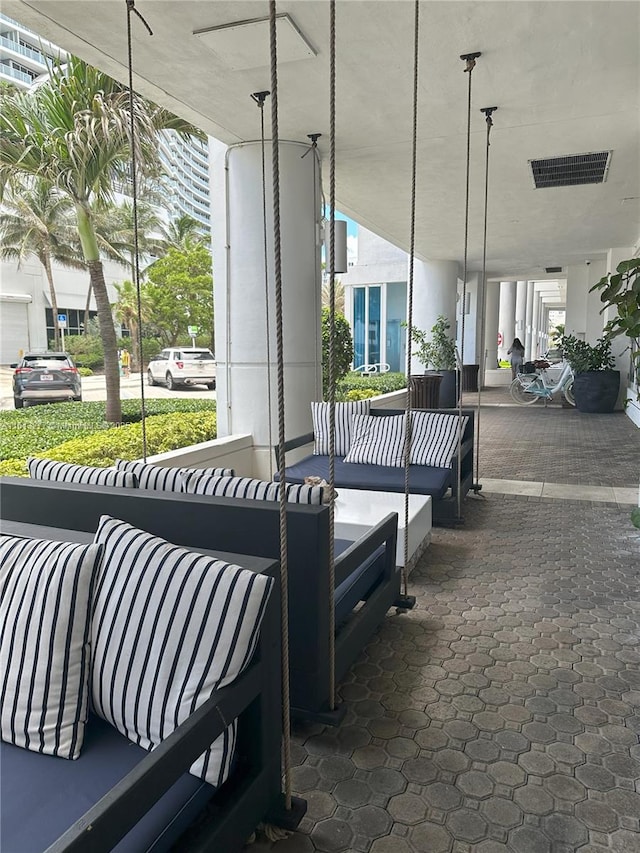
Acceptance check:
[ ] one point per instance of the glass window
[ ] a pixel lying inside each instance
(373, 356)
(359, 320)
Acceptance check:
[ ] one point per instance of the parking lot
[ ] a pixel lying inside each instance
(93, 388)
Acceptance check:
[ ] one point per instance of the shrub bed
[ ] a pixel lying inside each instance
(163, 433)
(29, 431)
(382, 383)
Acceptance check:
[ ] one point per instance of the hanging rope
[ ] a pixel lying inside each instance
(488, 111)
(136, 259)
(260, 98)
(284, 566)
(412, 246)
(470, 60)
(332, 345)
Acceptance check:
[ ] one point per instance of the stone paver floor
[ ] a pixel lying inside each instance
(503, 713)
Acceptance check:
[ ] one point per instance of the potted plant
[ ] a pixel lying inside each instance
(438, 351)
(622, 291)
(596, 384)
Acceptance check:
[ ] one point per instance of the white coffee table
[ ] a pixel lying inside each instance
(357, 511)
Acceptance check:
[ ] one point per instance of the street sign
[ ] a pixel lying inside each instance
(62, 321)
(192, 330)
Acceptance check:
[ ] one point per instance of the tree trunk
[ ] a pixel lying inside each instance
(109, 341)
(46, 262)
(87, 308)
(91, 253)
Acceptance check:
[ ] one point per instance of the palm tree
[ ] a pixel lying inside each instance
(126, 312)
(37, 219)
(183, 233)
(74, 130)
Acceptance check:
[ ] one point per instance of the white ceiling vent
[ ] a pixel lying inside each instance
(553, 269)
(245, 44)
(571, 170)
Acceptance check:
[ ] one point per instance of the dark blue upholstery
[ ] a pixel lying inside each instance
(357, 586)
(61, 791)
(423, 480)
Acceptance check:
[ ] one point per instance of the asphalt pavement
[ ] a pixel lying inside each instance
(93, 388)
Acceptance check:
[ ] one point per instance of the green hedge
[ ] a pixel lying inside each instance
(164, 433)
(382, 383)
(13, 468)
(24, 432)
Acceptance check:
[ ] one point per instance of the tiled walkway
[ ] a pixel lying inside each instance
(503, 713)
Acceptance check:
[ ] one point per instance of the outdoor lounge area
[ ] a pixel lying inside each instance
(453, 666)
(502, 711)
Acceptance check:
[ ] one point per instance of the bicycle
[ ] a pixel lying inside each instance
(528, 388)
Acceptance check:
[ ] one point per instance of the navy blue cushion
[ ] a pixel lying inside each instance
(359, 583)
(42, 796)
(423, 480)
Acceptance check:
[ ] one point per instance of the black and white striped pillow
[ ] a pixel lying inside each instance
(198, 483)
(434, 438)
(45, 611)
(49, 469)
(344, 416)
(378, 440)
(164, 479)
(169, 627)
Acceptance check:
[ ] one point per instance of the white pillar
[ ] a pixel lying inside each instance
(492, 308)
(521, 310)
(535, 326)
(472, 320)
(434, 292)
(583, 318)
(507, 317)
(528, 349)
(243, 365)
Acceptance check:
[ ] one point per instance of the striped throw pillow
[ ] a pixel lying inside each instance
(196, 483)
(378, 440)
(169, 627)
(49, 469)
(200, 483)
(344, 415)
(45, 609)
(434, 438)
(164, 479)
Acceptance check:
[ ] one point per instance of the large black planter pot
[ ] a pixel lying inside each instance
(596, 391)
(447, 397)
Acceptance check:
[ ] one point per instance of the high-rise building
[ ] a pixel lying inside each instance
(23, 54)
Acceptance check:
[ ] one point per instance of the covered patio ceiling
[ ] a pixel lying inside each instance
(564, 75)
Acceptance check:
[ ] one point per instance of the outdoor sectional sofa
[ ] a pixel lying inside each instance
(441, 483)
(367, 583)
(118, 796)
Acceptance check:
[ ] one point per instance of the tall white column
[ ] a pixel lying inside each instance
(507, 317)
(434, 292)
(472, 320)
(535, 326)
(492, 308)
(521, 310)
(528, 349)
(243, 363)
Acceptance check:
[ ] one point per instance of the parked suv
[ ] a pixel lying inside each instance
(183, 366)
(45, 377)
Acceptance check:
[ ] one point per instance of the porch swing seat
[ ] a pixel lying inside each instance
(441, 483)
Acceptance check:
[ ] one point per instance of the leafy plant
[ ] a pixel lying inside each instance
(583, 357)
(381, 383)
(360, 394)
(343, 348)
(163, 433)
(440, 350)
(621, 290)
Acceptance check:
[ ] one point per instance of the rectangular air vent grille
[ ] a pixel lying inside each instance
(553, 269)
(571, 170)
